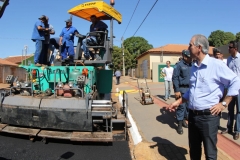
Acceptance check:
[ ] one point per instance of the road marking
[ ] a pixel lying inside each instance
(128, 91)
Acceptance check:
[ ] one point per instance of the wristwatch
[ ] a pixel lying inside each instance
(224, 104)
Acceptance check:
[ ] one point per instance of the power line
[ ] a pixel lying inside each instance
(145, 18)
(131, 17)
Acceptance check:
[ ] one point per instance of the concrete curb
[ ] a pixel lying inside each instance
(137, 138)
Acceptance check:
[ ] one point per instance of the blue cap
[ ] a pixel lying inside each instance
(68, 20)
(186, 53)
(42, 17)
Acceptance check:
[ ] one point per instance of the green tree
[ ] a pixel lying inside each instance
(238, 37)
(137, 45)
(118, 58)
(218, 38)
(228, 36)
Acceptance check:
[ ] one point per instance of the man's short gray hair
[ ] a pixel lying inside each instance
(202, 41)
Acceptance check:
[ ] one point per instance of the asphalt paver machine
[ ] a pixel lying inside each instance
(71, 100)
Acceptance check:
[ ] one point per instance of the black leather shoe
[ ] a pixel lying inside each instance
(179, 129)
(236, 136)
(227, 131)
(184, 124)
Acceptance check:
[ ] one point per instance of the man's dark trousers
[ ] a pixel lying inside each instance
(44, 53)
(231, 114)
(203, 128)
(118, 80)
(182, 110)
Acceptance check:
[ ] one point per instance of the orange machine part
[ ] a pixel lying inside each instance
(34, 74)
(85, 72)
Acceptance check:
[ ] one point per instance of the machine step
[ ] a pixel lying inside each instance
(101, 102)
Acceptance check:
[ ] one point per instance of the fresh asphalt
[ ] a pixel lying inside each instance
(17, 147)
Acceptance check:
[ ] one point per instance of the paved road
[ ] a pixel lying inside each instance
(20, 148)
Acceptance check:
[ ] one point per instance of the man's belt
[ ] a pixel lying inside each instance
(200, 112)
(183, 86)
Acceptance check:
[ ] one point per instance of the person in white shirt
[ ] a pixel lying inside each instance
(167, 72)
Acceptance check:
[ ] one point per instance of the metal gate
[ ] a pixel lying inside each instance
(145, 68)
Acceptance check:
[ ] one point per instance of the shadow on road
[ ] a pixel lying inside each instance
(66, 155)
(169, 150)
(167, 117)
(1, 158)
(163, 97)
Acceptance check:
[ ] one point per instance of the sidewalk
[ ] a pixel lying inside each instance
(158, 126)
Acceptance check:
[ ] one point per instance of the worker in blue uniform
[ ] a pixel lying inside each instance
(180, 79)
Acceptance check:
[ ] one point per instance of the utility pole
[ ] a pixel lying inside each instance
(123, 57)
(25, 49)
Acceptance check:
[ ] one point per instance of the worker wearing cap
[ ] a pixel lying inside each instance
(67, 40)
(96, 25)
(180, 79)
(38, 37)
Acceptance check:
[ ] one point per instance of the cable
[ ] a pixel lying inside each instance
(131, 18)
(145, 18)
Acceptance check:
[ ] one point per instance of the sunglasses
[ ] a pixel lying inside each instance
(230, 47)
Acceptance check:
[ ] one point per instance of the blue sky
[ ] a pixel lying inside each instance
(170, 22)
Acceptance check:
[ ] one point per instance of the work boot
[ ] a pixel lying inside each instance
(179, 129)
(225, 131)
(184, 124)
(38, 64)
(236, 136)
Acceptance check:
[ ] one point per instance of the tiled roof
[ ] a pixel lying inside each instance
(17, 59)
(7, 63)
(171, 49)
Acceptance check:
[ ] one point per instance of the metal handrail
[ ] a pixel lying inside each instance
(125, 103)
(105, 39)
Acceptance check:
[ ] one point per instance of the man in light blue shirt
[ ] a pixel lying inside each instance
(118, 75)
(207, 80)
(233, 62)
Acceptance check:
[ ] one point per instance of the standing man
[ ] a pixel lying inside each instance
(67, 40)
(47, 41)
(218, 54)
(167, 72)
(38, 37)
(207, 80)
(233, 62)
(180, 79)
(96, 25)
(118, 75)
